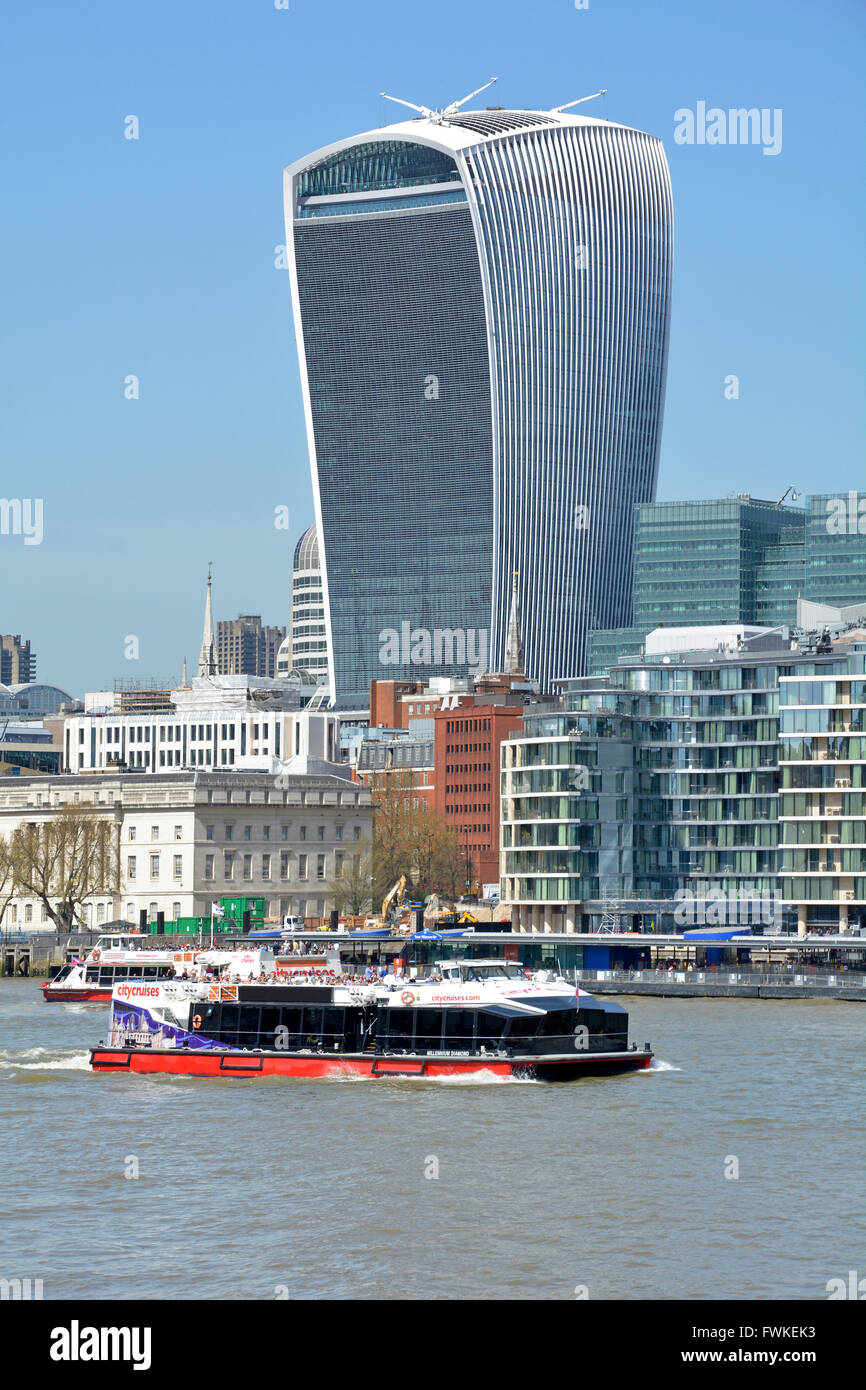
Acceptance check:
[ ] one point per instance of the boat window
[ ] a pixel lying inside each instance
(332, 1028)
(522, 1027)
(558, 1023)
(593, 1019)
(311, 1027)
(229, 1022)
(249, 1025)
(459, 1027)
(209, 1014)
(428, 1027)
(290, 1019)
(91, 974)
(400, 1023)
(270, 1022)
(499, 970)
(490, 1028)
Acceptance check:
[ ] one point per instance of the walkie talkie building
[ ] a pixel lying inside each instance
(481, 304)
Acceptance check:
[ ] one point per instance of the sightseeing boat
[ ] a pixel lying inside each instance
(468, 1016)
(115, 959)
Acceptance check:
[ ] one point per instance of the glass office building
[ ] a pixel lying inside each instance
(700, 562)
(481, 307)
(836, 548)
(737, 560)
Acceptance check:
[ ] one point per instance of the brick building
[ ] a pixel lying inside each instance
(465, 722)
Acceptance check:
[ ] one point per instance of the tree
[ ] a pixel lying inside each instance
(7, 877)
(435, 850)
(392, 829)
(351, 889)
(64, 861)
(409, 837)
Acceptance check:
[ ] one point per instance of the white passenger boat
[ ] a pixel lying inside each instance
(116, 958)
(466, 1016)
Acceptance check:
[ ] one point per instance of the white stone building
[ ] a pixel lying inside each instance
(217, 722)
(187, 838)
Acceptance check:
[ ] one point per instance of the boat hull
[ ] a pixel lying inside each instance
(220, 1062)
(57, 995)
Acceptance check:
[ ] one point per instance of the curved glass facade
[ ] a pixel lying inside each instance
(403, 462)
(576, 229)
(484, 381)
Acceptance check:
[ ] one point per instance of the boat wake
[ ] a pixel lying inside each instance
(658, 1065)
(44, 1059)
(475, 1078)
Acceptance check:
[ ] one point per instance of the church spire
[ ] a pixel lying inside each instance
(514, 648)
(207, 660)
(184, 681)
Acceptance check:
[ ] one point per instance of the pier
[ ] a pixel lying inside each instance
(727, 984)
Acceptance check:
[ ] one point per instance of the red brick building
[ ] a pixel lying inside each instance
(466, 775)
(468, 729)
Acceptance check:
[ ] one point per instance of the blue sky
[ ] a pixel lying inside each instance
(155, 257)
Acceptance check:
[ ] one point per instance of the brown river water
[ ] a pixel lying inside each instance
(131, 1187)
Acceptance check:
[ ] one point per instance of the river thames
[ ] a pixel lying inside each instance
(732, 1169)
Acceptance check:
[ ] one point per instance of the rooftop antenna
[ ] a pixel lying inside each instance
(555, 110)
(438, 116)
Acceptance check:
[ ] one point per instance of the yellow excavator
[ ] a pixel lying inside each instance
(398, 890)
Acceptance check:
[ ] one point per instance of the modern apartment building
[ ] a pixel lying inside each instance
(822, 795)
(481, 304)
(661, 786)
(186, 839)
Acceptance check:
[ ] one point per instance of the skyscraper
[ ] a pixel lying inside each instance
(481, 306)
(306, 647)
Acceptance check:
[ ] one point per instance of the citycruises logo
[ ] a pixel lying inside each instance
(76, 1343)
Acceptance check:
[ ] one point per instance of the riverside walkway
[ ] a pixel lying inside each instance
(727, 983)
